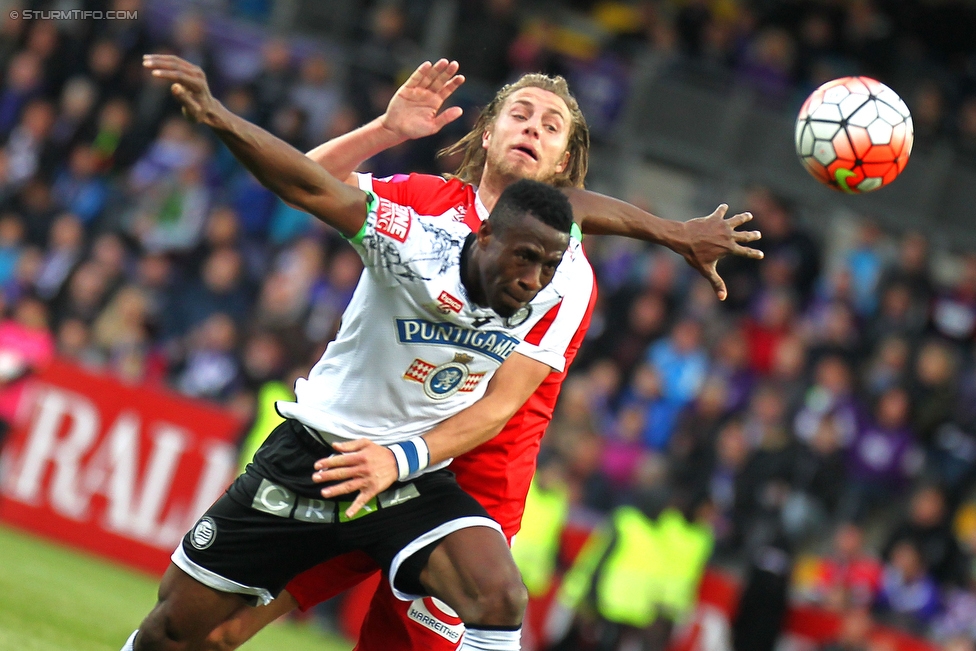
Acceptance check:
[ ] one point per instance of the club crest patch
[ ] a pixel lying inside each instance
(443, 381)
(204, 533)
(519, 317)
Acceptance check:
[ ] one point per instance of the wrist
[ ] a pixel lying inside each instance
(219, 117)
(388, 135)
(677, 236)
(411, 456)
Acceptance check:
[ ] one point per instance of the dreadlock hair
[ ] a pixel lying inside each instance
(473, 164)
(527, 197)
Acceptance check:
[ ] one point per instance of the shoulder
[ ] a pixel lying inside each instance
(427, 194)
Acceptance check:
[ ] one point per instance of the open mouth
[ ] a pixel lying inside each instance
(528, 151)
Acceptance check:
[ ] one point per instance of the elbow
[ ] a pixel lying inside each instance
(502, 415)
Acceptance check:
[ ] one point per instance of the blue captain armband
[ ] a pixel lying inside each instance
(411, 455)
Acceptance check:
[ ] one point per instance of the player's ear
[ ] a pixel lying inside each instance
(485, 138)
(484, 233)
(564, 163)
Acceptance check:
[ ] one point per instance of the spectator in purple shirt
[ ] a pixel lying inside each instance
(909, 596)
(883, 456)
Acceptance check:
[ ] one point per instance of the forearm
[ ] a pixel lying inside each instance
(467, 430)
(598, 214)
(514, 383)
(288, 173)
(344, 154)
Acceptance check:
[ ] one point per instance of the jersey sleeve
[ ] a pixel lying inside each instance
(427, 194)
(549, 340)
(394, 242)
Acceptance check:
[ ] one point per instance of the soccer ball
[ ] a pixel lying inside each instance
(854, 134)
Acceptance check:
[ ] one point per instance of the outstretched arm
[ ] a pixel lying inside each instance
(279, 167)
(411, 114)
(370, 469)
(702, 242)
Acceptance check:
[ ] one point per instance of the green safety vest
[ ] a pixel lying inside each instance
(537, 544)
(266, 418)
(636, 568)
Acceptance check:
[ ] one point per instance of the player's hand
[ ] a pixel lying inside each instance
(413, 111)
(362, 466)
(189, 86)
(709, 239)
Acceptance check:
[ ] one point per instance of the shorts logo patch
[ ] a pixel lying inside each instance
(442, 382)
(448, 303)
(393, 220)
(437, 616)
(204, 533)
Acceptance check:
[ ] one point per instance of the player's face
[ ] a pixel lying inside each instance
(529, 137)
(518, 262)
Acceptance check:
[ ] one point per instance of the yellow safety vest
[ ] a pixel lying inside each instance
(537, 544)
(653, 567)
(266, 418)
(689, 546)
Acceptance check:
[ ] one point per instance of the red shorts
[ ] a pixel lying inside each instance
(390, 624)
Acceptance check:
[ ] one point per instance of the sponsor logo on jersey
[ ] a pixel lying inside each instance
(448, 303)
(393, 220)
(204, 533)
(460, 212)
(444, 381)
(435, 615)
(492, 343)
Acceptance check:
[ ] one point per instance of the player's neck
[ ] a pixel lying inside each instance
(492, 185)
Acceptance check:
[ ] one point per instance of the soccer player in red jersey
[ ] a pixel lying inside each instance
(531, 129)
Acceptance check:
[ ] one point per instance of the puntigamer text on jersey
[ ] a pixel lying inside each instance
(493, 343)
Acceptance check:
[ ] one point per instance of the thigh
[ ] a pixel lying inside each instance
(186, 611)
(246, 621)
(467, 560)
(401, 534)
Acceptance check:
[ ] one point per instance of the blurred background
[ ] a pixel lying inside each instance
(816, 432)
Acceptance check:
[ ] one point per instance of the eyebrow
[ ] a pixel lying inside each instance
(531, 105)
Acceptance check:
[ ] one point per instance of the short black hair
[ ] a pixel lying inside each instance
(544, 202)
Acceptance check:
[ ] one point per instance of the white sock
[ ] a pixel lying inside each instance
(481, 639)
(130, 644)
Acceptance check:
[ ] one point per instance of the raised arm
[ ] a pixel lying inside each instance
(412, 113)
(370, 469)
(278, 166)
(702, 242)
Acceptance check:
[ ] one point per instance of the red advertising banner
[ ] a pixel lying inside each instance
(119, 470)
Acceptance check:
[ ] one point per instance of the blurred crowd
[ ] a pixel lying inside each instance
(833, 391)
(826, 412)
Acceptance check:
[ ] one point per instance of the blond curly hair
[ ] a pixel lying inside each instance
(473, 163)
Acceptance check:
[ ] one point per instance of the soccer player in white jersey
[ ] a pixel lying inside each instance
(435, 314)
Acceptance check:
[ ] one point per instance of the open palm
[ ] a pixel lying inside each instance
(413, 111)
